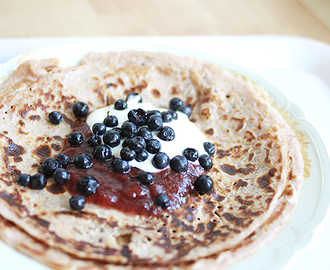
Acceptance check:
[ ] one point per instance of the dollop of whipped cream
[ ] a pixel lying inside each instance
(187, 134)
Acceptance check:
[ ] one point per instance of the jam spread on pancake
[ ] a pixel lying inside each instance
(132, 157)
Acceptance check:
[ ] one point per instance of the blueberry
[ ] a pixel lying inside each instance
(209, 148)
(102, 152)
(155, 122)
(77, 202)
(83, 161)
(161, 160)
(166, 133)
(111, 138)
(137, 116)
(87, 185)
(191, 154)
(49, 166)
(167, 117)
(154, 112)
(137, 143)
(185, 109)
(24, 179)
(146, 178)
(141, 156)
(63, 159)
(203, 184)
(174, 114)
(138, 140)
(120, 105)
(163, 201)
(145, 133)
(120, 166)
(61, 176)
(94, 140)
(55, 117)
(127, 153)
(38, 181)
(75, 138)
(111, 121)
(179, 164)
(175, 103)
(118, 130)
(80, 109)
(134, 96)
(99, 129)
(153, 146)
(128, 129)
(206, 162)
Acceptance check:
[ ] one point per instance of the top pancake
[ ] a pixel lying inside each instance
(251, 165)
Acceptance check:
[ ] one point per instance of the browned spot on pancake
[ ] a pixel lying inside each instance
(69, 121)
(13, 149)
(21, 122)
(100, 93)
(222, 153)
(265, 180)
(248, 169)
(249, 212)
(139, 88)
(288, 191)
(249, 136)
(35, 117)
(251, 155)
(126, 252)
(27, 108)
(206, 113)
(110, 100)
(209, 131)
(231, 170)
(56, 147)
(12, 199)
(267, 160)
(219, 198)
(41, 222)
(240, 123)
(206, 100)
(226, 116)
(175, 90)
(240, 183)
(40, 139)
(200, 228)
(242, 201)
(111, 85)
(55, 188)
(228, 169)
(265, 136)
(5, 132)
(18, 159)
(120, 81)
(230, 217)
(156, 93)
(58, 138)
(210, 226)
(20, 131)
(43, 151)
(258, 144)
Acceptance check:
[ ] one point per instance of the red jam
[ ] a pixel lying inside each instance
(123, 191)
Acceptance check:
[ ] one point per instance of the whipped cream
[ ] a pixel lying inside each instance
(187, 134)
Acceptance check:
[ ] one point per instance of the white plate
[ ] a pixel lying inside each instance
(314, 201)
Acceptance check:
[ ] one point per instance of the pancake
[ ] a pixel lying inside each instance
(257, 172)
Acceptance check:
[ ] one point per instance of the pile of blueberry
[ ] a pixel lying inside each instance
(138, 143)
